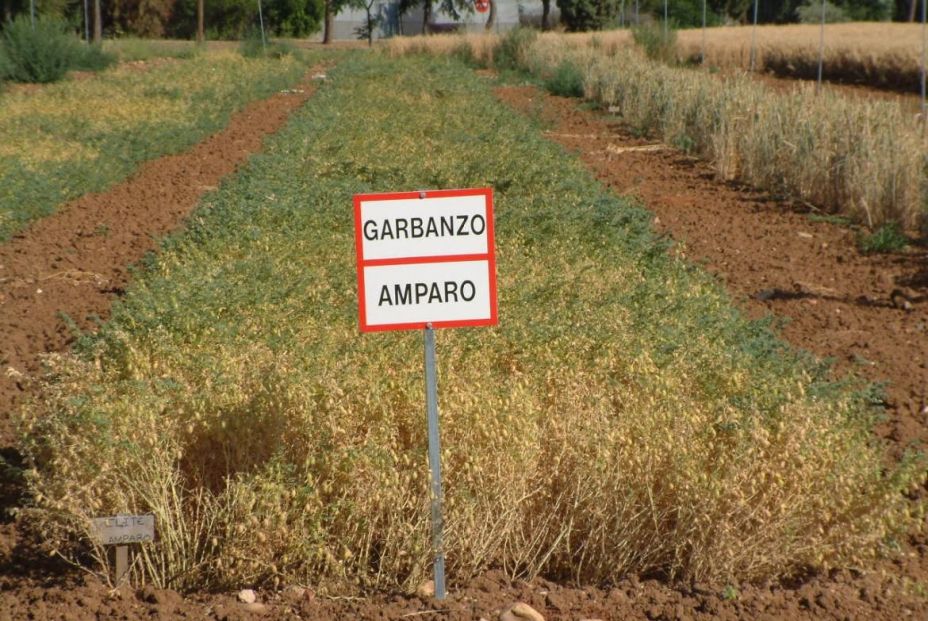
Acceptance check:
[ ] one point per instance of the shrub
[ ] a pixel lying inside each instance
(580, 15)
(566, 81)
(43, 54)
(811, 13)
(658, 41)
(464, 52)
(47, 52)
(92, 58)
(6, 65)
(253, 46)
(512, 50)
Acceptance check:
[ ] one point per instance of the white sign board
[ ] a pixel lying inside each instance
(425, 258)
(123, 529)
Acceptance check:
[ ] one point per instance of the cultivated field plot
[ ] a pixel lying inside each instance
(80, 136)
(624, 419)
(232, 392)
(882, 55)
(862, 159)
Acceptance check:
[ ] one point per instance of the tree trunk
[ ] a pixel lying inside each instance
(913, 10)
(370, 27)
(97, 22)
(545, 14)
(329, 19)
(491, 17)
(201, 30)
(426, 15)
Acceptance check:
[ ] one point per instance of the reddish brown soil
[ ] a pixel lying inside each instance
(845, 596)
(773, 259)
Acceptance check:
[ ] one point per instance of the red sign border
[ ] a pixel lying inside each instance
(489, 257)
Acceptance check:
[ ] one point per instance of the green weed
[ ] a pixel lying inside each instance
(566, 81)
(830, 219)
(885, 239)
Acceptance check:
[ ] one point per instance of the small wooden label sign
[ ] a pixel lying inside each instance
(124, 529)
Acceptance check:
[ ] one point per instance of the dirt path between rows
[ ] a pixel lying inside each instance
(71, 265)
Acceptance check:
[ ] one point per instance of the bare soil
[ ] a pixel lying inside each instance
(770, 254)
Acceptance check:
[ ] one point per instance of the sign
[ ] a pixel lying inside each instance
(124, 529)
(482, 6)
(425, 258)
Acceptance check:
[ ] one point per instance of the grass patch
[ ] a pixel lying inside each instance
(830, 219)
(77, 137)
(232, 395)
(887, 238)
(131, 49)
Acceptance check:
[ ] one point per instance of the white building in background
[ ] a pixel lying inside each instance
(509, 14)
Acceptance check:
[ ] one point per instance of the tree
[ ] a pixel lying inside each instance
(371, 20)
(580, 15)
(201, 18)
(332, 8)
(545, 14)
(454, 8)
(97, 22)
(491, 18)
(145, 18)
(233, 19)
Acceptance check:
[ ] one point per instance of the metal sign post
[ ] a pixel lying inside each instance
(431, 404)
(426, 260)
(702, 55)
(821, 51)
(261, 21)
(666, 25)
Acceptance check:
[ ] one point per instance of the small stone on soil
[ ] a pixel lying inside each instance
(247, 596)
(520, 611)
(426, 590)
